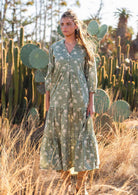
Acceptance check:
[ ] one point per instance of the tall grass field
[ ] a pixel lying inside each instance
(19, 162)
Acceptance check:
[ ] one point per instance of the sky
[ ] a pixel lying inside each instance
(90, 7)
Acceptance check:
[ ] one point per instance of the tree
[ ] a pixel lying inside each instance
(14, 13)
(122, 30)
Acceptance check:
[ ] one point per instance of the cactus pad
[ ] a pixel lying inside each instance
(40, 75)
(38, 58)
(25, 52)
(102, 31)
(93, 27)
(101, 101)
(41, 88)
(119, 110)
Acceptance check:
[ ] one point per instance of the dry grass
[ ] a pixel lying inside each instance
(20, 173)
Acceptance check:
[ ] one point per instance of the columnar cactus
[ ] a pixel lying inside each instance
(128, 50)
(16, 76)
(21, 36)
(110, 72)
(119, 54)
(10, 67)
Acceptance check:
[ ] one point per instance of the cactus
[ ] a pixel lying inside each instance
(122, 58)
(40, 75)
(3, 101)
(103, 77)
(4, 67)
(113, 80)
(41, 88)
(10, 65)
(30, 91)
(93, 28)
(10, 107)
(103, 61)
(131, 92)
(110, 71)
(119, 54)
(119, 110)
(25, 52)
(21, 36)
(128, 50)
(16, 76)
(115, 64)
(38, 59)
(102, 31)
(101, 101)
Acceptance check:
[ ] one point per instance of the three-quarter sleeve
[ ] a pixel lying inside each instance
(91, 75)
(48, 78)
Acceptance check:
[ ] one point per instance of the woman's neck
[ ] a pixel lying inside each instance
(70, 40)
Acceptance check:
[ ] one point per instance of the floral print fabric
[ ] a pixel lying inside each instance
(69, 140)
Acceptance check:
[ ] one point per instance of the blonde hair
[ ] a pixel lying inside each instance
(81, 34)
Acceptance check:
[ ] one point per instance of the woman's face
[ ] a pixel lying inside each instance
(68, 26)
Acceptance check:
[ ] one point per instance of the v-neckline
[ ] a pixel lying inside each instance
(67, 49)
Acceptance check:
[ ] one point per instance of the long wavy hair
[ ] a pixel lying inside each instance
(81, 34)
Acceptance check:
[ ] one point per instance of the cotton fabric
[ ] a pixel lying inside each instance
(69, 139)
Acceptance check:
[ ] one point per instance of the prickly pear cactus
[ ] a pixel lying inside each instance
(38, 58)
(119, 110)
(25, 52)
(94, 29)
(101, 101)
(102, 31)
(40, 76)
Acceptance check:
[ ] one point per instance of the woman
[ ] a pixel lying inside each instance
(70, 84)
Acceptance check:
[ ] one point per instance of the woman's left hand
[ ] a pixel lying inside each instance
(90, 109)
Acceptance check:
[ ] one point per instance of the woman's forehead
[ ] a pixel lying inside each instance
(66, 19)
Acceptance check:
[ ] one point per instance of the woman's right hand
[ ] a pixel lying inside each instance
(47, 100)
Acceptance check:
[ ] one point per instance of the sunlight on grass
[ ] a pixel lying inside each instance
(20, 173)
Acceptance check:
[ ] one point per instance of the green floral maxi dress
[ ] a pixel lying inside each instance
(69, 140)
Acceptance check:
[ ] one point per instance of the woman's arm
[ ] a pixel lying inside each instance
(90, 108)
(47, 100)
(91, 77)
